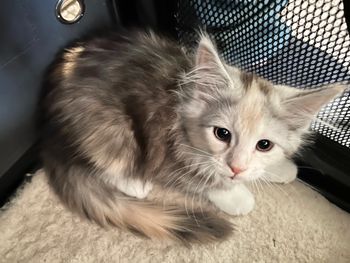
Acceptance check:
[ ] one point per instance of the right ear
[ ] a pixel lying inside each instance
(300, 106)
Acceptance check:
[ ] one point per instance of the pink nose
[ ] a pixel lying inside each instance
(237, 169)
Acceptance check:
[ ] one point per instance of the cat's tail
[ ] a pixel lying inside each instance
(90, 197)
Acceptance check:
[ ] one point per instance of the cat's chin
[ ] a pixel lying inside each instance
(239, 179)
(230, 180)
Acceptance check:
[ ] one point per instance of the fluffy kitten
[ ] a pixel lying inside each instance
(126, 111)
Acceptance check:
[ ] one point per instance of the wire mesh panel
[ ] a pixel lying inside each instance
(301, 43)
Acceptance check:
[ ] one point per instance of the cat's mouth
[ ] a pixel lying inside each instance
(246, 176)
(232, 177)
(238, 177)
(235, 178)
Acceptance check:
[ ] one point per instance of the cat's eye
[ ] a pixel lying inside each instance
(222, 134)
(264, 145)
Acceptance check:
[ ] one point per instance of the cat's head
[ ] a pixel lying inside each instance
(236, 124)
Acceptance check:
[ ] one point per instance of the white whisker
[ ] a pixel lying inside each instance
(196, 189)
(194, 148)
(276, 185)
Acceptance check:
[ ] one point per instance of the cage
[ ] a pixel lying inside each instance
(304, 44)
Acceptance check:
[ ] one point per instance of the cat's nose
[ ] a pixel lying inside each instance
(237, 169)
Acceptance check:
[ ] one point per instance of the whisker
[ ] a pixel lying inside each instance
(251, 183)
(201, 189)
(183, 168)
(200, 155)
(186, 194)
(195, 148)
(276, 185)
(193, 193)
(173, 180)
(256, 186)
(266, 182)
(261, 186)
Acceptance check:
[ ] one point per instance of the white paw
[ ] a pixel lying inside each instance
(134, 187)
(235, 201)
(282, 172)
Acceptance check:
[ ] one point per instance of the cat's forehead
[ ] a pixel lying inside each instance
(253, 103)
(252, 83)
(245, 103)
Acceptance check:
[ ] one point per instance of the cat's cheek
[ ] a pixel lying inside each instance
(252, 175)
(263, 159)
(216, 146)
(259, 163)
(193, 109)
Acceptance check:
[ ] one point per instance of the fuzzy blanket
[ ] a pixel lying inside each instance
(291, 223)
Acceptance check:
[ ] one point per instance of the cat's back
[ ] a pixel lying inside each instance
(109, 85)
(116, 74)
(121, 63)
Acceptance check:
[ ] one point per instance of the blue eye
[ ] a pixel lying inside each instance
(222, 134)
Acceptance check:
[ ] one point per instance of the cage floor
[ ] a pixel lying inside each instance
(291, 223)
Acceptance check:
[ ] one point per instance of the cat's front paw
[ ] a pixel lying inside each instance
(143, 190)
(236, 201)
(134, 187)
(243, 205)
(282, 172)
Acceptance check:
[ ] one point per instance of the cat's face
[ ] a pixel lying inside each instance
(237, 124)
(244, 135)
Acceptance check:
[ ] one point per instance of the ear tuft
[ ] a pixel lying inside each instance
(206, 54)
(302, 106)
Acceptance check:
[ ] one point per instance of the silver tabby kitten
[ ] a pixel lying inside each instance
(124, 112)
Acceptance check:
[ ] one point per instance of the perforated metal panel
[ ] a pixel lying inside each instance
(301, 43)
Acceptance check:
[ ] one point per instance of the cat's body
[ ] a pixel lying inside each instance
(124, 112)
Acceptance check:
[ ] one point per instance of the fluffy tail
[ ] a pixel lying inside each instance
(90, 197)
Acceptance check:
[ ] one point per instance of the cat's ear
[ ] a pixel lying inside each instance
(300, 106)
(207, 56)
(210, 72)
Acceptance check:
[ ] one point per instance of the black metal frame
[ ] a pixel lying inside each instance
(325, 167)
(16, 175)
(157, 15)
(29, 160)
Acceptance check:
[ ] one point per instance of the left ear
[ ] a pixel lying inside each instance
(210, 68)
(207, 55)
(301, 106)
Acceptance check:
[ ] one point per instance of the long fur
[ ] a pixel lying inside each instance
(88, 116)
(84, 193)
(139, 106)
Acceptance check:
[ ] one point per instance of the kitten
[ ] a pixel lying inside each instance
(124, 112)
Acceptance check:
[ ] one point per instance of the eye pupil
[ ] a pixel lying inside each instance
(222, 134)
(264, 145)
